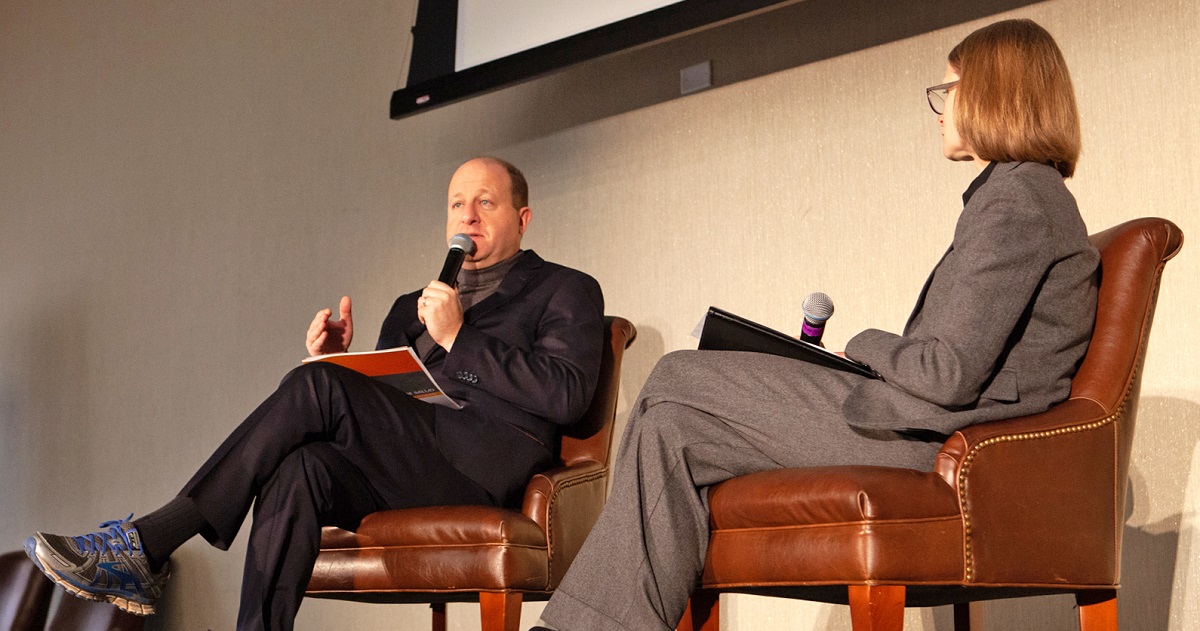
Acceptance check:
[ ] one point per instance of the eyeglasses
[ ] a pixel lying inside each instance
(937, 96)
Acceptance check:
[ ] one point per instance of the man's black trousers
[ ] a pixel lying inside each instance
(328, 447)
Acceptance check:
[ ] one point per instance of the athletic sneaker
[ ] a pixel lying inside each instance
(108, 564)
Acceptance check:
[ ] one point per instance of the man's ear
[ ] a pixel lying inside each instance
(525, 215)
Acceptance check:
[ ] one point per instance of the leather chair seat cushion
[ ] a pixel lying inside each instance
(439, 525)
(834, 525)
(830, 495)
(434, 549)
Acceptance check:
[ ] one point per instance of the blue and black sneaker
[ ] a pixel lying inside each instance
(105, 565)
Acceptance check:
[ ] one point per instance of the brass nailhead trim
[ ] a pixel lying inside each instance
(555, 494)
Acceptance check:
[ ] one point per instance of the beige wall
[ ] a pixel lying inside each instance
(183, 184)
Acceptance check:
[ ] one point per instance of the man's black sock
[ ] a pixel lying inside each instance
(167, 528)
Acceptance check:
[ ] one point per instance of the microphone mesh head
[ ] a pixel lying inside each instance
(817, 307)
(462, 242)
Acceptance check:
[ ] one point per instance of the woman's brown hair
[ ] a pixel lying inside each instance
(1014, 99)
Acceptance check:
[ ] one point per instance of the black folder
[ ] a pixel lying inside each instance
(724, 331)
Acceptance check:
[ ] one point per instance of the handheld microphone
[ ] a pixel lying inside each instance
(461, 246)
(817, 309)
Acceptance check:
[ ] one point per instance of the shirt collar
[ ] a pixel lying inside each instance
(979, 181)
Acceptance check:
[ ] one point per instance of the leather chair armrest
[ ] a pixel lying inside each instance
(577, 490)
(1031, 487)
(1063, 418)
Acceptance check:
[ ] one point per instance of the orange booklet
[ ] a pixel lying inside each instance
(397, 367)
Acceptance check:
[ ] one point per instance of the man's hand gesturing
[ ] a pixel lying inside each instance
(331, 336)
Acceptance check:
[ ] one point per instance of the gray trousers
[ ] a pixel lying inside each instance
(704, 417)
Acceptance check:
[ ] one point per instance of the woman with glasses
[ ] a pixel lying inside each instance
(997, 332)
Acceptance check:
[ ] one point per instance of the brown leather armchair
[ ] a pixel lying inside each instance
(24, 593)
(446, 554)
(1020, 507)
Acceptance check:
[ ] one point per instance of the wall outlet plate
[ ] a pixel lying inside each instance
(695, 78)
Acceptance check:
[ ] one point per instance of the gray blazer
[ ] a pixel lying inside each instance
(1002, 322)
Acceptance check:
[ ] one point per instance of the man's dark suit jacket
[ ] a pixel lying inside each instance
(524, 364)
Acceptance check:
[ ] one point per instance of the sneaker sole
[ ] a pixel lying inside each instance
(124, 604)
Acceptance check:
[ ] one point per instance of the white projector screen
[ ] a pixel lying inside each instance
(491, 29)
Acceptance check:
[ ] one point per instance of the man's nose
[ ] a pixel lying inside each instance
(468, 215)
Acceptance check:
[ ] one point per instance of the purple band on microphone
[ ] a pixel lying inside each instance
(810, 330)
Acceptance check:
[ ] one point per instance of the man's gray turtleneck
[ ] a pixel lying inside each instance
(474, 286)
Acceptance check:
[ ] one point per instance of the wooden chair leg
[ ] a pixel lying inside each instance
(500, 611)
(962, 616)
(877, 607)
(1097, 610)
(703, 612)
(439, 616)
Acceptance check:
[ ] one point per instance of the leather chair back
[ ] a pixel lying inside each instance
(1067, 467)
(586, 449)
(1132, 259)
(591, 437)
(24, 593)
